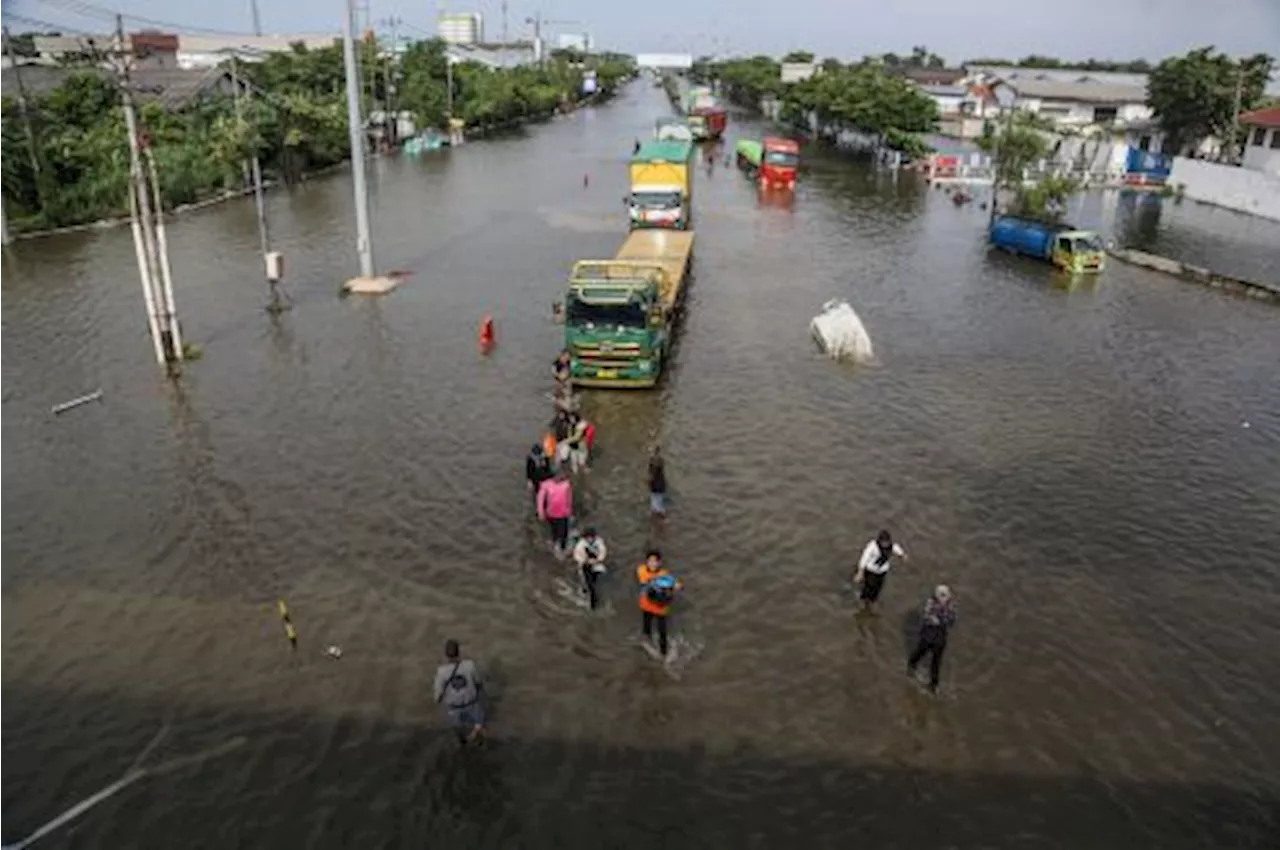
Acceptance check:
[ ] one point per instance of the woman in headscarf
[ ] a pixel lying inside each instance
(873, 566)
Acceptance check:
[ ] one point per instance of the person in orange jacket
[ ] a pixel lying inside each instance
(658, 589)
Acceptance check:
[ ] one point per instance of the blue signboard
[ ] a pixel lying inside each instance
(1154, 167)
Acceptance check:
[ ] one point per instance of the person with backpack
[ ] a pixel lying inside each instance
(458, 688)
(537, 468)
(873, 567)
(939, 619)
(658, 589)
(589, 554)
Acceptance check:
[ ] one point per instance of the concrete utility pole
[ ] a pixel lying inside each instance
(22, 110)
(364, 244)
(149, 239)
(271, 265)
(1235, 113)
(257, 20)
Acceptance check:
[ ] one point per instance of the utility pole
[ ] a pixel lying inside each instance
(254, 167)
(257, 19)
(149, 240)
(364, 245)
(1235, 113)
(504, 23)
(26, 115)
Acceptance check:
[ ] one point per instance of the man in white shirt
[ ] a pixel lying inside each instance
(589, 554)
(873, 567)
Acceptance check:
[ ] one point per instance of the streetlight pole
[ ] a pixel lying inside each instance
(364, 244)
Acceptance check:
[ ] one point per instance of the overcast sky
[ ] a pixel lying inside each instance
(846, 29)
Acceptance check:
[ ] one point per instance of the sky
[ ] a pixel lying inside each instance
(845, 29)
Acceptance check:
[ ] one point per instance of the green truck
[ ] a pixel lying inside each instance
(619, 313)
(662, 185)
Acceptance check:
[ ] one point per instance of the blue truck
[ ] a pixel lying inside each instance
(1068, 248)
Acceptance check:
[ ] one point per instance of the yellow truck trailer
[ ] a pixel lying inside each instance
(620, 313)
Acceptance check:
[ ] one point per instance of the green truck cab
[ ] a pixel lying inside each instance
(619, 313)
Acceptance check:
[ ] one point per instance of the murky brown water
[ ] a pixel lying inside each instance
(1071, 461)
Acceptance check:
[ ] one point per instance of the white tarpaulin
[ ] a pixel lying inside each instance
(840, 333)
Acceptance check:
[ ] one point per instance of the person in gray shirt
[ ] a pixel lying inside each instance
(458, 688)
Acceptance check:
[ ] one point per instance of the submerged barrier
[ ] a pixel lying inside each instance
(1196, 274)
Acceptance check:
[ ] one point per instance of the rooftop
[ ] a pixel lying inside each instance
(1267, 117)
(173, 87)
(932, 76)
(1084, 90)
(1059, 75)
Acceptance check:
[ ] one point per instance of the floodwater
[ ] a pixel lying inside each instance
(1073, 460)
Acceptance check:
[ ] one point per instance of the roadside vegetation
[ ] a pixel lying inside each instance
(72, 167)
(865, 97)
(1193, 96)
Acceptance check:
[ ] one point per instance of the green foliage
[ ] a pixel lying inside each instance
(799, 56)
(1015, 147)
(296, 122)
(863, 97)
(1195, 95)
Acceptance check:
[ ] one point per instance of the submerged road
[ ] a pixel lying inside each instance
(1072, 461)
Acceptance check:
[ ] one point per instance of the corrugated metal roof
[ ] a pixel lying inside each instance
(1060, 75)
(1079, 92)
(173, 87)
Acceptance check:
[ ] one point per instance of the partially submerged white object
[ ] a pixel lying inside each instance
(840, 333)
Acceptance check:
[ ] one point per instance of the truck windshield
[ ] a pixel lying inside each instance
(606, 315)
(782, 159)
(1086, 244)
(656, 200)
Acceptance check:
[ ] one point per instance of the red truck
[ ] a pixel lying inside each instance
(711, 120)
(773, 163)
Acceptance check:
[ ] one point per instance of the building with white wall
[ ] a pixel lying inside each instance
(579, 41)
(1080, 103)
(1262, 142)
(461, 27)
(203, 51)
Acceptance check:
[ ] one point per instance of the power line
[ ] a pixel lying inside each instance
(94, 12)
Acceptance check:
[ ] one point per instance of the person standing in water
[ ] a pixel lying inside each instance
(657, 484)
(537, 468)
(873, 567)
(458, 688)
(555, 506)
(658, 590)
(939, 619)
(562, 367)
(589, 554)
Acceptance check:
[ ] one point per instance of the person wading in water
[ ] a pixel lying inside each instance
(939, 619)
(873, 567)
(658, 590)
(589, 554)
(555, 507)
(657, 484)
(458, 688)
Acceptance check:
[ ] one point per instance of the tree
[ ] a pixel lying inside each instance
(1015, 148)
(802, 57)
(1201, 93)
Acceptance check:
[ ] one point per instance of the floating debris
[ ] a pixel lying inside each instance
(57, 409)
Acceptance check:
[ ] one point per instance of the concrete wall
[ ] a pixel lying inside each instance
(1240, 189)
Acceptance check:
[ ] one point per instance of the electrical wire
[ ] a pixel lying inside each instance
(95, 12)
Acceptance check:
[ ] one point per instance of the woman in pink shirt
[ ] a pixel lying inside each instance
(555, 506)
